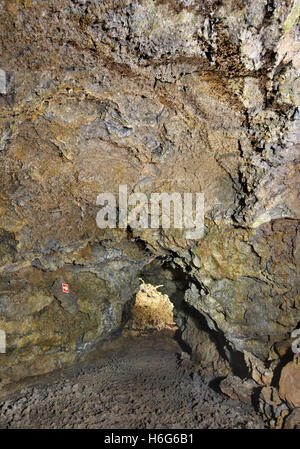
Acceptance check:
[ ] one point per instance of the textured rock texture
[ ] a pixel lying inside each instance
(238, 390)
(165, 95)
(293, 421)
(137, 383)
(152, 310)
(289, 385)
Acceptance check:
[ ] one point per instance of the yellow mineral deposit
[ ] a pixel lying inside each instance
(152, 309)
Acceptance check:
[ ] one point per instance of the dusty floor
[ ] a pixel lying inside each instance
(143, 384)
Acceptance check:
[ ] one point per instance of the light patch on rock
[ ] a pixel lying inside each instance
(152, 309)
(252, 95)
(293, 16)
(251, 49)
(2, 82)
(258, 370)
(288, 49)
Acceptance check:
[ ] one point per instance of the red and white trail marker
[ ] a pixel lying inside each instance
(65, 288)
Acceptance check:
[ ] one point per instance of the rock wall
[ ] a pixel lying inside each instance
(165, 95)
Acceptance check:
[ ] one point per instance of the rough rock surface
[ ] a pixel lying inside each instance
(239, 390)
(140, 385)
(158, 95)
(272, 407)
(289, 384)
(281, 408)
(293, 420)
(151, 310)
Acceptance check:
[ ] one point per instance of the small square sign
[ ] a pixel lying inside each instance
(65, 288)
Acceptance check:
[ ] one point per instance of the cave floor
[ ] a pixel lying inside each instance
(139, 383)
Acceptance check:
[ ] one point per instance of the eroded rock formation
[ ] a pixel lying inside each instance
(161, 96)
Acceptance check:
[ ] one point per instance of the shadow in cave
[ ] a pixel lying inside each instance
(236, 358)
(286, 358)
(176, 282)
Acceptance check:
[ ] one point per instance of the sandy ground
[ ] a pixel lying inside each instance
(141, 384)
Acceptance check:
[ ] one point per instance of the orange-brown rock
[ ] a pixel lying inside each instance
(201, 97)
(289, 384)
(238, 389)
